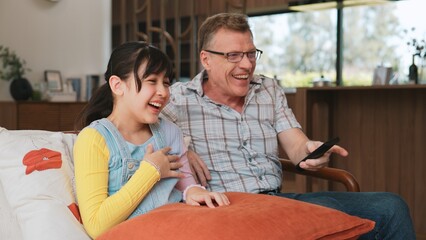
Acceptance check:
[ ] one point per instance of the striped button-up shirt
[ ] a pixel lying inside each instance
(240, 149)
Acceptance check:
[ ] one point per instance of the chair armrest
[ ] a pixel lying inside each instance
(327, 173)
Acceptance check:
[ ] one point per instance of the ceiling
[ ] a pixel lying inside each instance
(312, 5)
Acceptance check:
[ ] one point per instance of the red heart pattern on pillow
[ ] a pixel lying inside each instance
(73, 207)
(41, 160)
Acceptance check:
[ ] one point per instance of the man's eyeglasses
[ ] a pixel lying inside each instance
(235, 57)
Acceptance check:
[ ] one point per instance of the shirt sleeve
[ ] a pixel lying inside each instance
(284, 117)
(99, 211)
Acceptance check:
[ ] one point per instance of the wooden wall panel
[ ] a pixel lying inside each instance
(67, 115)
(38, 116)
(8, 118)
(202, 7)
(52, 116)
(383, 128)
(419, 166)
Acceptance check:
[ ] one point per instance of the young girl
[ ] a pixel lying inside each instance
(128, 161)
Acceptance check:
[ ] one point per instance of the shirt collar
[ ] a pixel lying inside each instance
(197, 82)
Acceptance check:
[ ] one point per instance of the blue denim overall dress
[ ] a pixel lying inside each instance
(125, 159)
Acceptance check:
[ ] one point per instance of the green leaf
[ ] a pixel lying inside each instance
(13, 67)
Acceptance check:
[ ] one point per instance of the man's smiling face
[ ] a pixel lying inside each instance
(230, 80)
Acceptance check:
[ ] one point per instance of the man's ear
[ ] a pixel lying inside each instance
(205, 60)
(116, 85)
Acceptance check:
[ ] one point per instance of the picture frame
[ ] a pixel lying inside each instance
(76, 86)
(382, 75)
(53, 80)
(92, 83)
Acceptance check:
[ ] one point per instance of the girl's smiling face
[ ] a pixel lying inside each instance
(144, 106)
(139, 79)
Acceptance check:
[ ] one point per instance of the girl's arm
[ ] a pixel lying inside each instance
(188, 179)
(193, 193)
(99, 211)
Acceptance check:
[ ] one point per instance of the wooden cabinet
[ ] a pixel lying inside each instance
(384, 130)
(57, 116)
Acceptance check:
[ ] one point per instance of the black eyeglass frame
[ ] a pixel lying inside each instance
(226, 55)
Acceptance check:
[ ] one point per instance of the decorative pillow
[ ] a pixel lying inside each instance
(36, 172)
(9, 227)
(250, 216)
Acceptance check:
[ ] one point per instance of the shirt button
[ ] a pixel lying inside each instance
(245, 143)
(260, 177)
(130, 165)
(249, 159)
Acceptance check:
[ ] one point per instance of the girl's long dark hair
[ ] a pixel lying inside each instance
(125, 61)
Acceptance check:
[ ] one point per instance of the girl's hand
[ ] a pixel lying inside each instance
(166, 164)
(197, 196)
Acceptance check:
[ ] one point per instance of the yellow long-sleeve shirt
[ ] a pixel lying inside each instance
(99, 211)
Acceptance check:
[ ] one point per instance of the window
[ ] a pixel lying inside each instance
(301, 46)
(298, 47)
(377, 36)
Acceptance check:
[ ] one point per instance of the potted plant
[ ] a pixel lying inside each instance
(13, 68)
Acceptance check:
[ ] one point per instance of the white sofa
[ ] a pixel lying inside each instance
(9, 228)
(37, 197)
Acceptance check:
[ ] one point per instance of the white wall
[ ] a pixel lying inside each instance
(72, 36)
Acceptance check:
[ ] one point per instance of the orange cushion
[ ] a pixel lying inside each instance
(250, 216)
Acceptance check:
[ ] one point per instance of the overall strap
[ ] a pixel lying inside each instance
(158, 134)
(118, 138)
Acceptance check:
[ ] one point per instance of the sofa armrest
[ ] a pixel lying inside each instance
(327, 173)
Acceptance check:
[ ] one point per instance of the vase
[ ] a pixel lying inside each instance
(20, 89)
(413, 74)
